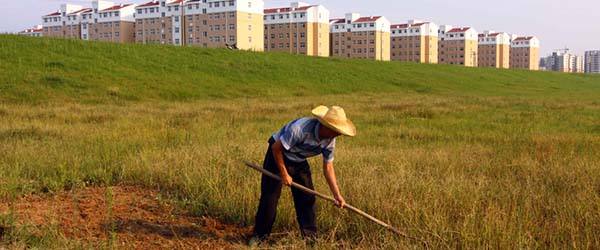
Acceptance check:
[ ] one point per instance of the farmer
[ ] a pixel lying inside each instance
(286, 156)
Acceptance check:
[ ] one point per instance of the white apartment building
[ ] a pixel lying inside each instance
(72, 27)
(494, 49)
(54, 24)
(160, 22)
(360, 37)
(115, 24)
(592, 62)
(298, 29)
(219, 24)
(458, 46)
(525, 52)
(414, 41)
(104, 21)
(89, 18)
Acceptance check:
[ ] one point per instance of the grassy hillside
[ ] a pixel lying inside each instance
(462, 158)
(37, 70)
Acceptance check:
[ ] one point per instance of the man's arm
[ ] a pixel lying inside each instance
(332, 182)
(277, 149)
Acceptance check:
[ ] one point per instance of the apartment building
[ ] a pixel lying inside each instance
(89, 18)
(298, 29)
(458, 46)
(35, 31)
(592, 62)
(524, 53)
(218, 24)
(55, 24)
(494, 50)
(160, 22)
(104, 21)
(360, 37)
(72, 25)
(414, 41)
(114, 24)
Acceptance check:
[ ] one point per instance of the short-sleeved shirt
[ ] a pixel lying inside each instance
(300, 139)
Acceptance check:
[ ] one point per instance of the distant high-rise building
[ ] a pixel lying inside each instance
(458, 46)
(360, 37)
(415, 41)
(563, 62)
(592, 62)
(298, 29)
(494, 49)
(577, 64)
(525, 53)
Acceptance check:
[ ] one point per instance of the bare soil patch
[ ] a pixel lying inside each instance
(135, 218)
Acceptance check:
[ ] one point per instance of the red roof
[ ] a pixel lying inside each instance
(339, 20)
(405, 25)
(489, 35)
(286, 9)
(151, 3)
(523, 38)
(81, 11)
(54, 14)
(177, 2)
(116, 7)
(31, 30)
(459, 30)
(367, 19)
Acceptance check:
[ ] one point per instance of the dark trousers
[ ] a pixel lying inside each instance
(271, 190)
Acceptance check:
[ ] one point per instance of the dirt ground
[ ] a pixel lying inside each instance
(136, 218)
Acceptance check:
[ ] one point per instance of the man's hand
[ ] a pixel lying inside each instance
(286, 179)
(277, 148)
(339, 201)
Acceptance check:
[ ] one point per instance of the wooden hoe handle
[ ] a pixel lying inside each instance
(331, 199)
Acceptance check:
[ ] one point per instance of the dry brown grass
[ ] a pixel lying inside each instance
(496, 172)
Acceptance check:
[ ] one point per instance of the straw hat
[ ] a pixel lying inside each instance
(335, 118)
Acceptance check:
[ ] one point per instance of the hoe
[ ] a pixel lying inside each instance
(328, 198)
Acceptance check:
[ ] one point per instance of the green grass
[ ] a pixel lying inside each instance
(461, 157)
(44, 70)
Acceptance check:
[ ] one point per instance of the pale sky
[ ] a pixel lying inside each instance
(557, 23)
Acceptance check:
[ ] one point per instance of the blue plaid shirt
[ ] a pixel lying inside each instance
(300, 138)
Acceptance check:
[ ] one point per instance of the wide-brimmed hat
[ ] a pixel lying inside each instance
(335, 118)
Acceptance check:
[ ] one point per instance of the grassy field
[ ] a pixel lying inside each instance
(460, 157)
